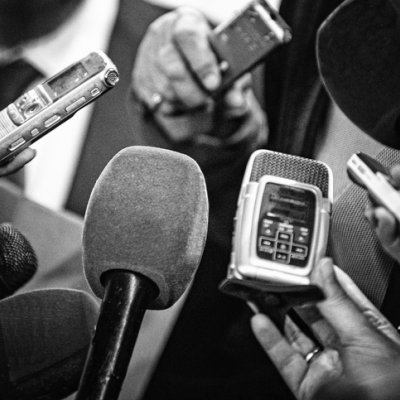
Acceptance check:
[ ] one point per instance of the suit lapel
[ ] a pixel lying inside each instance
(110, 130)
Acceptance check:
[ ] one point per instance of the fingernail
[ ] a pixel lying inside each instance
(326, 268)
(211, 81)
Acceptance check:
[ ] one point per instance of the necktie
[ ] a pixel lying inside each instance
(15, 78)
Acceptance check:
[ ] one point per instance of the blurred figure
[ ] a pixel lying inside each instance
(48, 35)
(211, 351)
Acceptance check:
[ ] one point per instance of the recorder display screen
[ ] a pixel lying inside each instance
(285, 224)
(68, 79)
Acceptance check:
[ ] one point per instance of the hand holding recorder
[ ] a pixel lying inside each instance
(44, 107)
(359, 352)
(183, 65)
(18, 162)
(281, 232)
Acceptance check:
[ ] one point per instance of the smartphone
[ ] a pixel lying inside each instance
(371, 175)
(282, 219)
(49, 104)
(245, 40)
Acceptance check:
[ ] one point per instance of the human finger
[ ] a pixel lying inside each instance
(375, 317)
(386, 226)
(190, 35)
(187, 93)
(321, 329)
(150, 85)
(338, 309)
(289, 362)
(298, 339)
(18, 162)
(395, 174)
(236, 100)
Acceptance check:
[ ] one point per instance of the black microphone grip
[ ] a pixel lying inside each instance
(126, 298)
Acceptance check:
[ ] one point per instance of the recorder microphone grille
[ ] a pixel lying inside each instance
(291, 167)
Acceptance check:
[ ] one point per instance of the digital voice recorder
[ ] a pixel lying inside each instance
(281, 224)
(52, 102)
(246, 39)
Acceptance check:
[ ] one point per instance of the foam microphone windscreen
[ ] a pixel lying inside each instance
(44, 339)
(148, 213)
(18, 261)
(358, 51)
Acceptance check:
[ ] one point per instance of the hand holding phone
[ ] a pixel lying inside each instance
(382, 185)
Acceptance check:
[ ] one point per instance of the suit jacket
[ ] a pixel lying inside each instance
(211, 352)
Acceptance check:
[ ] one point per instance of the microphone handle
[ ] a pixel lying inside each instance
(126, 298)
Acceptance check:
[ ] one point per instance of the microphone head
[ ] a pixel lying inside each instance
(358, 51)
(148, 213)
(45, 337)
(18, 261)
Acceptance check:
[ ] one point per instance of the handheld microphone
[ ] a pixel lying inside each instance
(143, 238)
(18, 261)
(44, 339)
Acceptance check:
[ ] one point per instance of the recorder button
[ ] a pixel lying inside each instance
(284, 236)
(14, 114)
(34, 132)
(95, 92)
(266, 243)
(16, 144)
(75, 105)
(301, 238)
(52, 120)
(283, 246)
(282, 257)
(300, 250)
(269, 232)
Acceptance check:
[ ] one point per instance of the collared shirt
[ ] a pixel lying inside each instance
(50, 174)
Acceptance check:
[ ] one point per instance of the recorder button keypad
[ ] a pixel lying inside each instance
(283, 242)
